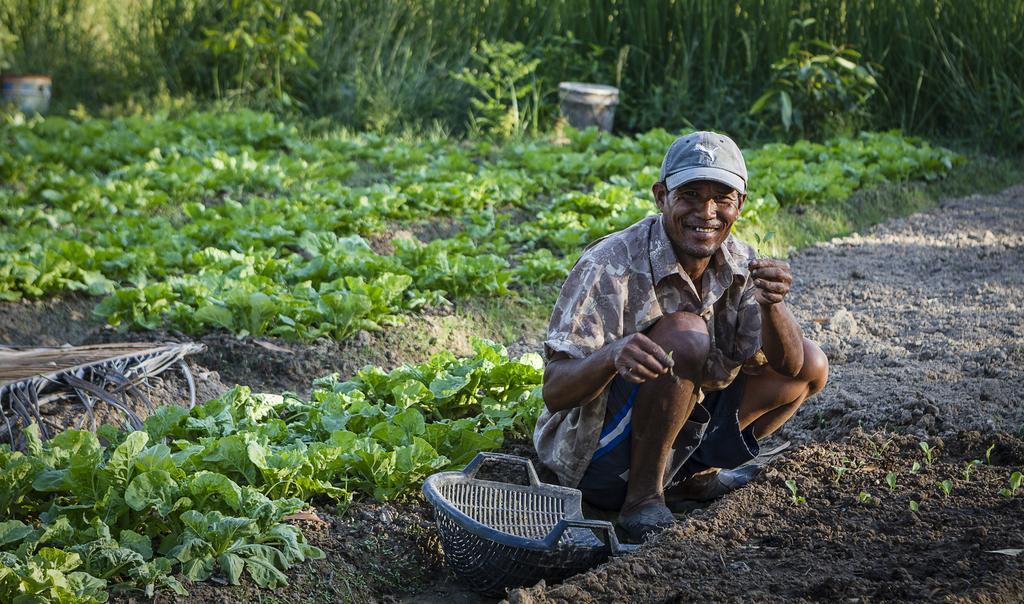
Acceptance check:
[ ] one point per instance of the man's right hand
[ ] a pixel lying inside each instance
(638, 358)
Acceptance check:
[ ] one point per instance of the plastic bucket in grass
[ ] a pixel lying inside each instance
(30, 93)
(585, 105)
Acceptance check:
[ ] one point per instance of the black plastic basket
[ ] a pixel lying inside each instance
(498, 535)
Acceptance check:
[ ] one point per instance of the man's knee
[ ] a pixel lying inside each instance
(815, 367)
(685, 335)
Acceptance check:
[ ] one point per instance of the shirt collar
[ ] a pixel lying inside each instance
(664, 262)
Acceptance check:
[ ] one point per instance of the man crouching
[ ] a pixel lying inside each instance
(671, 351)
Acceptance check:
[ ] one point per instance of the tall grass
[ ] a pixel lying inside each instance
(950, 67)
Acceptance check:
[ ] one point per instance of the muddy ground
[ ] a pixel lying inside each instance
(922, 321)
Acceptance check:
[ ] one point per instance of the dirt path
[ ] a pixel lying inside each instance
(923, 322)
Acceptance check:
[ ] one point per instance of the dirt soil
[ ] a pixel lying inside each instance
(922, 321)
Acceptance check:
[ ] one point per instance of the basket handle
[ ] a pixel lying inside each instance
(474, 466)
(597, 526)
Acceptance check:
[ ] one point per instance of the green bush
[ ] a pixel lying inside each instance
(507, 96)
(255, 42)
(820, 89)
(950, 67)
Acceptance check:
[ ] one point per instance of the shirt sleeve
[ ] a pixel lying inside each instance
(589, 310)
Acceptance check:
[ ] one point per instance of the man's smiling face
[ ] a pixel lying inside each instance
(698, 215)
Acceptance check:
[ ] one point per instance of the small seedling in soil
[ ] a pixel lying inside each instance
(946, 486)
(878, 449)
(914, 469)
(1013, 486)
(915, 506)
(890, 479)
(839, 470)
(796, 499)
(865, 497)
(988, 453)
(969, 468)
(929, 452)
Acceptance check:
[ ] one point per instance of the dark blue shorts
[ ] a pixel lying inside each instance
(710, 438)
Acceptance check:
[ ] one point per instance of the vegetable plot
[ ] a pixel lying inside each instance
(237, 222)
(210, 490)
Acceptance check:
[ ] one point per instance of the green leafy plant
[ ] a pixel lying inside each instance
(890, 479)
(880, 446)
(929, 452)
(839, 471)
(946, 486)
(969, 469)
(238, 544)
(236, 222)
(819, 88)
(915, 467)
(48, 576)
(258, 40)
(915, 506)
(1013, 485)
(988, 453)
(796, 499)
(865, 497)
(762, 240)
(503, 78)
(208, 490)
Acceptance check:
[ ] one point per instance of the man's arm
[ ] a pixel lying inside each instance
(781, 336)
(570, 382)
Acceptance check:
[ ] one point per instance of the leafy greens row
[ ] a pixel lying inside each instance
(239, 222)
(209, 490)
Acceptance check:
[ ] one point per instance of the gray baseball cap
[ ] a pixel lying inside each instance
(704, 156)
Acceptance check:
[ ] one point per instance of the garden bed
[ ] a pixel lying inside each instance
(935, 360)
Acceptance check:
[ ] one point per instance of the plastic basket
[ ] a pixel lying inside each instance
(498, 535)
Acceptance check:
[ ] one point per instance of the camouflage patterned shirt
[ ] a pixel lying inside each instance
(623, 284)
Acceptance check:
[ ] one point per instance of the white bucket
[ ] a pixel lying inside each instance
(30, 93)
(585, 105)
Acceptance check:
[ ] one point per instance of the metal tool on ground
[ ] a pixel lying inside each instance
(114, 378)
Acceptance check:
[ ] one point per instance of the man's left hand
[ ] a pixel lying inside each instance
(772, 280)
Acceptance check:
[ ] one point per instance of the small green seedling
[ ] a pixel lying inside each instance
(796, 499)
(914, 469)
(969, 468)
(890, 479)
(865, 497)
(988, 454)
(839, 470)
(762, 240)
(1013, 485)
(915, 506)
(929, 452)
(946, 486)
(878, 449)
